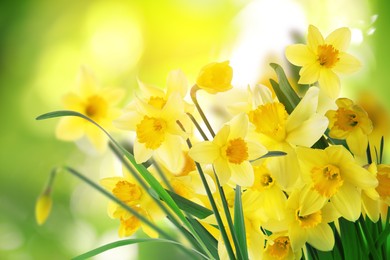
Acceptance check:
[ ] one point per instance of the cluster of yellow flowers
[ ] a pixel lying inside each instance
(321, 173)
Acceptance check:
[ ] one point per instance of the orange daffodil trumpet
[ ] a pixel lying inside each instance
(230, 152)
(322, 58)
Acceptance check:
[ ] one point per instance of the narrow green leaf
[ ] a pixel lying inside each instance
(381, 149)
(239, 222)
(126, 242)
(349, 238)
(283, 89)
(270, 154)
(207, 238)
(190, 207)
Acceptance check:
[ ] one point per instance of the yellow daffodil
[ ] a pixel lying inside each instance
(312, 228)
(130, 192)
(98, 104)
(279, 131)
(279, 247)
(333, 175)
(157, 130)
(230, 153)
(215, 77)
(267, 194)
(350, 122)
(321, 58)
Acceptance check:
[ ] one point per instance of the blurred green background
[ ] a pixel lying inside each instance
(44, 43)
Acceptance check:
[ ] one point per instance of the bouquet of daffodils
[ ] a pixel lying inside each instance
(285, 171)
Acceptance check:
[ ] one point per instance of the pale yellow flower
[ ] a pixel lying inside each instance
(333, 175)
(321, 58)
(215, 77)
(279, 247)
(230, 153)
(98, 104)
(350, 122)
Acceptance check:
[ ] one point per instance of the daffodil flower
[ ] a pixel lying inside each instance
(333, 175)
(350, 122)
(279, 131)
(230, 153)
(215, 77)
(321, 58)
(279, 247)
(98, 104)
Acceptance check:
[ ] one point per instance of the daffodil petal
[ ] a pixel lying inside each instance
(141, 153)
(304, 110)
(222, 170)
(255, 150)
(359, 176)
(298, 237)
(311, 201)
(242, 174)
(358, 142)
(300, 55)
(238, 126)
(309, 131)
(347, 202)
(177, 81)
(339, 38)
(70, 128)
(347, 64)
(310, 73)
(204, 152)
(96, 137)
(221, 137)
(314, 38)
(86, 82)
(371, 207)
(171, 158)
(321, 237)
(330, 82)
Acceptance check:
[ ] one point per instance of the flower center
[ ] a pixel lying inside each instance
(328, 56)
(157, 102)
(280, 248)
(383, 177)
(346, 119)
(237, 151)
(270, 119)
(151, 131)
(96, 107)
(309, 221)
(326, 180)
(263, 179)
(127, 192)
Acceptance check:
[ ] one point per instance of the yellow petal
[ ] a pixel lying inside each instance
(242, 174)
(222, 170)
(358, 142)
(298, 237)
(221, 137)
(70, 128)
(311, 201)
(347, 202)
(371, 207)
(310, 73)
(300, 55)
(238, 126)
(314, 38)
(97, 137)
(110, 182)
(177, 81)
(255, 150)
(339, 38)
(173, 159)
(309, 131)
(359, 176)
(86, 82)
(321, 237)
(141, 153)
(72, 101)
(204, 152)
(347, 63)
(329, 82)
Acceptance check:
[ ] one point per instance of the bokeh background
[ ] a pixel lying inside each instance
(43, 44)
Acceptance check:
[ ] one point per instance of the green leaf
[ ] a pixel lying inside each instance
(239, 222)
(270, 154)
(126, 242)
(349, 239)
(207, 238)
(190, 207)
(283, 89)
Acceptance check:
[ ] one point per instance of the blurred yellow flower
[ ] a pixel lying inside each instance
(279, 247)
(321, 58)
(43, 207)
(98, 104)
(351, 123)
(215, 77)
(230, 153)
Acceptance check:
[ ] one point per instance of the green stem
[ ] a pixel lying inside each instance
(370, 241)
(194, 89)
(202, 133)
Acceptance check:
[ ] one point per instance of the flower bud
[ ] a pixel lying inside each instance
(215, 77)
(43, 207)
